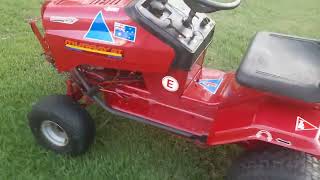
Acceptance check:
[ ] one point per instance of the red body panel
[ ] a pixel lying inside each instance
(141, 55)
(230, 115)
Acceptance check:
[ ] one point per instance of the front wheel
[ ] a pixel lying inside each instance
(60, 124)
(276, 164)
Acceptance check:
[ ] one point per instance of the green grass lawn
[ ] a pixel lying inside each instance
(123, 149)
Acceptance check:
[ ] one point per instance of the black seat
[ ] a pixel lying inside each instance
(284, 65)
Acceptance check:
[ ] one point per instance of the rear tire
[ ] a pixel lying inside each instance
(60, 124)
(276, 164)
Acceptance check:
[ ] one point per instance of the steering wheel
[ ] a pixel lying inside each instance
(210, 6)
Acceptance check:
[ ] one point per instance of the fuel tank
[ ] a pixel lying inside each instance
(102, 34)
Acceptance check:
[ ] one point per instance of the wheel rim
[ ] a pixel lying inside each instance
(54, 133)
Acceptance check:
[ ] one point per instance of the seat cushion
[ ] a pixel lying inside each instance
(284, 65)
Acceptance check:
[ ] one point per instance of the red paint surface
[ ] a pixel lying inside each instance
(142, 55)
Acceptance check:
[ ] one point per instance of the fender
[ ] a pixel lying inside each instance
(269, 119)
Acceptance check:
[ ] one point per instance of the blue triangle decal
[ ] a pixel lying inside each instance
(99, 30)
(211, 85)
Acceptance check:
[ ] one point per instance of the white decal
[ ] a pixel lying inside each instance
(267, 134)
(125, 32)
(211, 85)
(170, 84)
(304, 125)
(64, 20)
(99, 30)
(111, 9)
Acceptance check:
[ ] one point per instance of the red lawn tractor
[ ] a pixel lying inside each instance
(143, 60)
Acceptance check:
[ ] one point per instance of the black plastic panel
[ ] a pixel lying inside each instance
(185, 53)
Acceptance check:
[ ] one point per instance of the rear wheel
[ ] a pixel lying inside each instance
(60, 124)
(276, 164)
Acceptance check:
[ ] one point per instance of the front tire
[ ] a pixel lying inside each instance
(60, 124)
(276, 164)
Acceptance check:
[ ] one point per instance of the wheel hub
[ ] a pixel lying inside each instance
(54, 133)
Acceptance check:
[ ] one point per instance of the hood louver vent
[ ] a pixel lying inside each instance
(58, 2)
(106, 2)
(90, 2)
